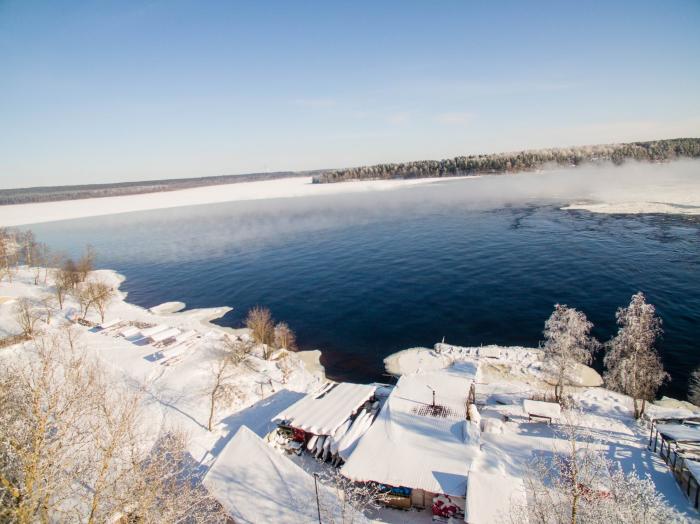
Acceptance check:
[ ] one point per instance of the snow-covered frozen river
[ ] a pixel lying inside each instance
(361, 276)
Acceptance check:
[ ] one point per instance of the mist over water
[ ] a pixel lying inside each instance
(361, 276)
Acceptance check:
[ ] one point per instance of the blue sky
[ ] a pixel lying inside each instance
(116, 90)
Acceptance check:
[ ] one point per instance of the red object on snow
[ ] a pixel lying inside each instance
(444, 507)
(298, 435)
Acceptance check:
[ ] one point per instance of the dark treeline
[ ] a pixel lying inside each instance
(654, 151)
(54, 193)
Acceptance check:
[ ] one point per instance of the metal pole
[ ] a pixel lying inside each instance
(318, 505)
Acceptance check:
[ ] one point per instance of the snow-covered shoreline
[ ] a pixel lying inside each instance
(522, 361)
(505, 378)
(635, 189)
(42, 212)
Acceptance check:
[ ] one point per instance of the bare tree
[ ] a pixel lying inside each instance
(71, 274)
(284, 337)
(567, 342)
(26, 317)
(40, 257)
(229, 354)
(28, 245)
(102, 295)
(71, 449)
(633, 365)
(86, 263)
(285, 368)
(9, 253)
(82, 295)
(50, 305)
(93, 294)
(347, 502)
(261, 325)
(694, 387)
(63, 283)
(236, 350)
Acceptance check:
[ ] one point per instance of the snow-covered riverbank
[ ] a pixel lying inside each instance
(16, 215)
(175, 380)
(174, 389)
(672, 188)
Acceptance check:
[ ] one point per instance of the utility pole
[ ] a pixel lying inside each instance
(318, 505)
(431, 389)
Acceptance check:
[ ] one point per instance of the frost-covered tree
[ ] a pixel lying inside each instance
(73, 447)
(567, 341)
(633, 366)
(694, 387)
(578, 484)
(347, 502)
(284, 337)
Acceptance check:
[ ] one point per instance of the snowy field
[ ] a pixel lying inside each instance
(15, 215)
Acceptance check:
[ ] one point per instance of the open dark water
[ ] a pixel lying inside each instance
(360, 277)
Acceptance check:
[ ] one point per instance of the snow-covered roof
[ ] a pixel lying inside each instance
(148, 332)
(491, 497)
(410, 445)
(110, 323)
(679, 432)
(694, 468)
(323, 412)
(254, 483)
(165, 335)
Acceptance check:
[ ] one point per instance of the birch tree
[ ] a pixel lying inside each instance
(567, 342)
(633, 366)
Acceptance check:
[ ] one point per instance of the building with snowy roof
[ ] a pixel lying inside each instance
(421, 440)
(323, 412)
(254, 483)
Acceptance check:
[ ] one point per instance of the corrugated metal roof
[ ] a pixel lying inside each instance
(323, 412)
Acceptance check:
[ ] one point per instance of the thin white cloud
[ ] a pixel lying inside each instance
(454, 118)
(399, 118)
(317, 103)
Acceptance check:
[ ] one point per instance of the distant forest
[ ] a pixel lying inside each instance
(54, 193)
(654, 151)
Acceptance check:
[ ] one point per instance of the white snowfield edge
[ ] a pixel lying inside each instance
(35, 213)
(637, 208)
